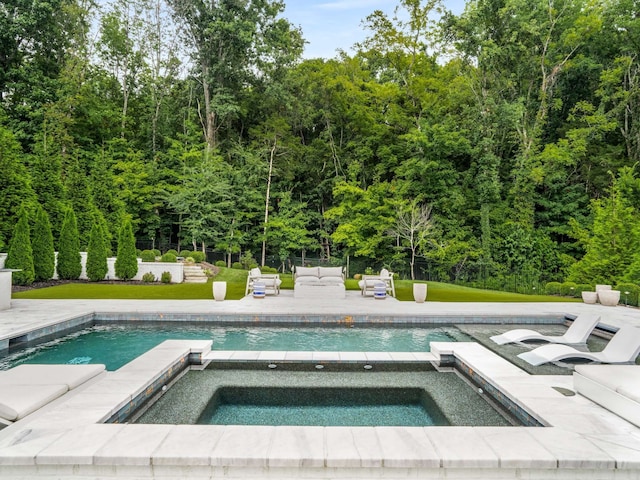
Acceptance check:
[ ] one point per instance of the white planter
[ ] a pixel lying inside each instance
(589, 297)
(609, 298)
(5, 288)
(602, 287)
(419, 292)
(219, 290)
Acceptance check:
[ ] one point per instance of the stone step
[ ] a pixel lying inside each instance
(194, 274)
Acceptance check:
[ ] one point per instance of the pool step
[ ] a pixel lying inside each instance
(194, 274)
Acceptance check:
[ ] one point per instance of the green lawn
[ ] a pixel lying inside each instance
(236, 279)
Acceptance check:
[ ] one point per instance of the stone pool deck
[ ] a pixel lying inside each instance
(67, 438)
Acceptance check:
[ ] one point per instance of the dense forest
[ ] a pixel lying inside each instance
(502, 141)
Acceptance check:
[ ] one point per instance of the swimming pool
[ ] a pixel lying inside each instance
(117, 344)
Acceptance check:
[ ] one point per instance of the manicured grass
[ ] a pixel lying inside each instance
(236, 280)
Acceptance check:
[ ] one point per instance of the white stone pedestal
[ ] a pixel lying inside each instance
(5, 288)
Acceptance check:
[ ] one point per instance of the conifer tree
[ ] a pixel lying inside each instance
(69, 261)
(44, 259)
(97, 266)
(126, 259)
(20, 253)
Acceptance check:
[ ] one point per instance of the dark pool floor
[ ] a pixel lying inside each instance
(460, 403)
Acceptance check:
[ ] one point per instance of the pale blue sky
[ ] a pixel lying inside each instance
(331, 24)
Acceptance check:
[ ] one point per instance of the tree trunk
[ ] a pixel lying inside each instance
(266, 203)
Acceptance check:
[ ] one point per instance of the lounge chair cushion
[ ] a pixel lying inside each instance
(307, 280)
(331, 281)
(307, 272)
(69, 375)
(324, 272)
(18, 401)
(255, 272)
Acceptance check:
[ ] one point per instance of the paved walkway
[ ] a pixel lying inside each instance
(26, 315)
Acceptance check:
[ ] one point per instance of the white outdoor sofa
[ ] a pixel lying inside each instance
(318, 282)
(614, 387)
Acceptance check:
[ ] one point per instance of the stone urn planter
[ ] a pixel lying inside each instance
(609, 298)
(219, 291)
(589, 297)
(419, 292)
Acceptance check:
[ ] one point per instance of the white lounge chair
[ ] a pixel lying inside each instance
(577, 333)
(271, 281)
(368, 282)
(624, 347)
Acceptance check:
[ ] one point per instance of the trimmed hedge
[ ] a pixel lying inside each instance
(148, 256)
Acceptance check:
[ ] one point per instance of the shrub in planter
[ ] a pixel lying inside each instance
(157, 252)
(198, 256)
(189, 260)
(148, 256)
(169, 257)
(172, 251)
(165, 277)
(185, 253)
(357, 276)
(148, 277)
(552, 288)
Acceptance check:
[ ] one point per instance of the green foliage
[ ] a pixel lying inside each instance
(20, 255)
(148, 256)
(238, 266)
(44, 260)
(268, 270)
(198, 256)
(184, 253)
(165, 277)
(220, 263)
(172, 251)
(126, 266)
(169, 257)
(148, 278)
(97, 267)
(69, 266)
(583, 287)
(569, 289)
(631, 298)
(156, 252)
(553, 288)
(246, 261)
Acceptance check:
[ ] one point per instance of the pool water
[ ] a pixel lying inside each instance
(116, 345)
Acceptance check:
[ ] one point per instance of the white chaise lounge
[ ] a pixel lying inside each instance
(27, 388)
(577, 333)
(624, 347)
(614, 387)
(319, 282)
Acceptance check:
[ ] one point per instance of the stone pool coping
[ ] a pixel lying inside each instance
(68, 437)
(66, 440)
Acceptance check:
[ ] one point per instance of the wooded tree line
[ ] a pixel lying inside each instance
(503, 140)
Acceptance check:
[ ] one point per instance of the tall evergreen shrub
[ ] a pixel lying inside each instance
(97, 266)
(69, 261)
(20, 254)
(126, 259)
(44, 258)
